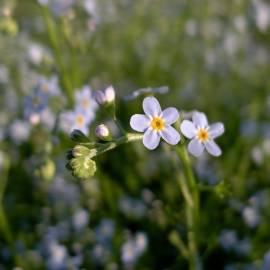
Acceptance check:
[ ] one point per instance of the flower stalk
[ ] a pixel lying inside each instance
(191, 195)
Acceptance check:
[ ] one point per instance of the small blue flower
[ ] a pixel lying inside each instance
(80, 219)
(77, 119)
(156, 123)
(35, 104)
(202, 135)
(133, 248)
(49, 87)
(86, 102)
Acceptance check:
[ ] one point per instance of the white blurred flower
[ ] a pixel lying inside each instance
(257, 155)
(251, 216)
(133, 248)
(47, 118)
(57, 257)
(80, 219)
(19, 131)
(90, 7)
(35, 52)
(43, 2)
(262, 15)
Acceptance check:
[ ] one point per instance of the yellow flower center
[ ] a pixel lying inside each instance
(157, 123)
(203, 135)
(80, 120)
(85, 103)
(45, 88)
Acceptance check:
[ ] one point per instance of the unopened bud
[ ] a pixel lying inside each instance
(82, 151)
(102, 132)
(105, 97)
(100, 97)
(82, 167)
(109, 94)
(78, 136)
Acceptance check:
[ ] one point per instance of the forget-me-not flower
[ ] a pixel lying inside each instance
(85, 101)
(202, 134)
(77, 119)
(156, 123)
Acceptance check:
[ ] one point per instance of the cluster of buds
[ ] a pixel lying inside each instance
(80, 161)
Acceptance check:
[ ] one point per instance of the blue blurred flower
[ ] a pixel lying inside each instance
(34, 104)
(104, 232)
(77, 119)
(251, 216)
(133, 248)
(228, 239)
(85, 102)
(19, 131)
(80, 219)
(132, 207)
(57, 257)
(266, 261)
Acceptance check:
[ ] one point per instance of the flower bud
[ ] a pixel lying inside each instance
(78, 136)
(82, 167)
(109, 94)
(100, 97)
(79, 151)
(105, 97)
(102, 132)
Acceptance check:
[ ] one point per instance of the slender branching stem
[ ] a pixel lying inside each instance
(191, 195)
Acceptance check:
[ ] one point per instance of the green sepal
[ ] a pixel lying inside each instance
(78, 136)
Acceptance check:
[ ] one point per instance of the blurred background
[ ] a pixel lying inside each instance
(213, 55)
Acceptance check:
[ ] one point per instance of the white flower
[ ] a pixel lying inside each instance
(202, 134)
(156, 123)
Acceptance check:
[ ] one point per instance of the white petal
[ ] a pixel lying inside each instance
(151, 106)
(188, 129)
(212, 148)
(199, 119)
(195, 147)
(151, 139)
(139, 122)
(216, 130)
(170, 135)
(170, 115)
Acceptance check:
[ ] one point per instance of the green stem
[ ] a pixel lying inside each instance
(4, 226)
(191, 195)
(53, 37)
(129, 137)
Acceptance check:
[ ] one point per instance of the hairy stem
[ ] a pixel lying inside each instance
(191, 195)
